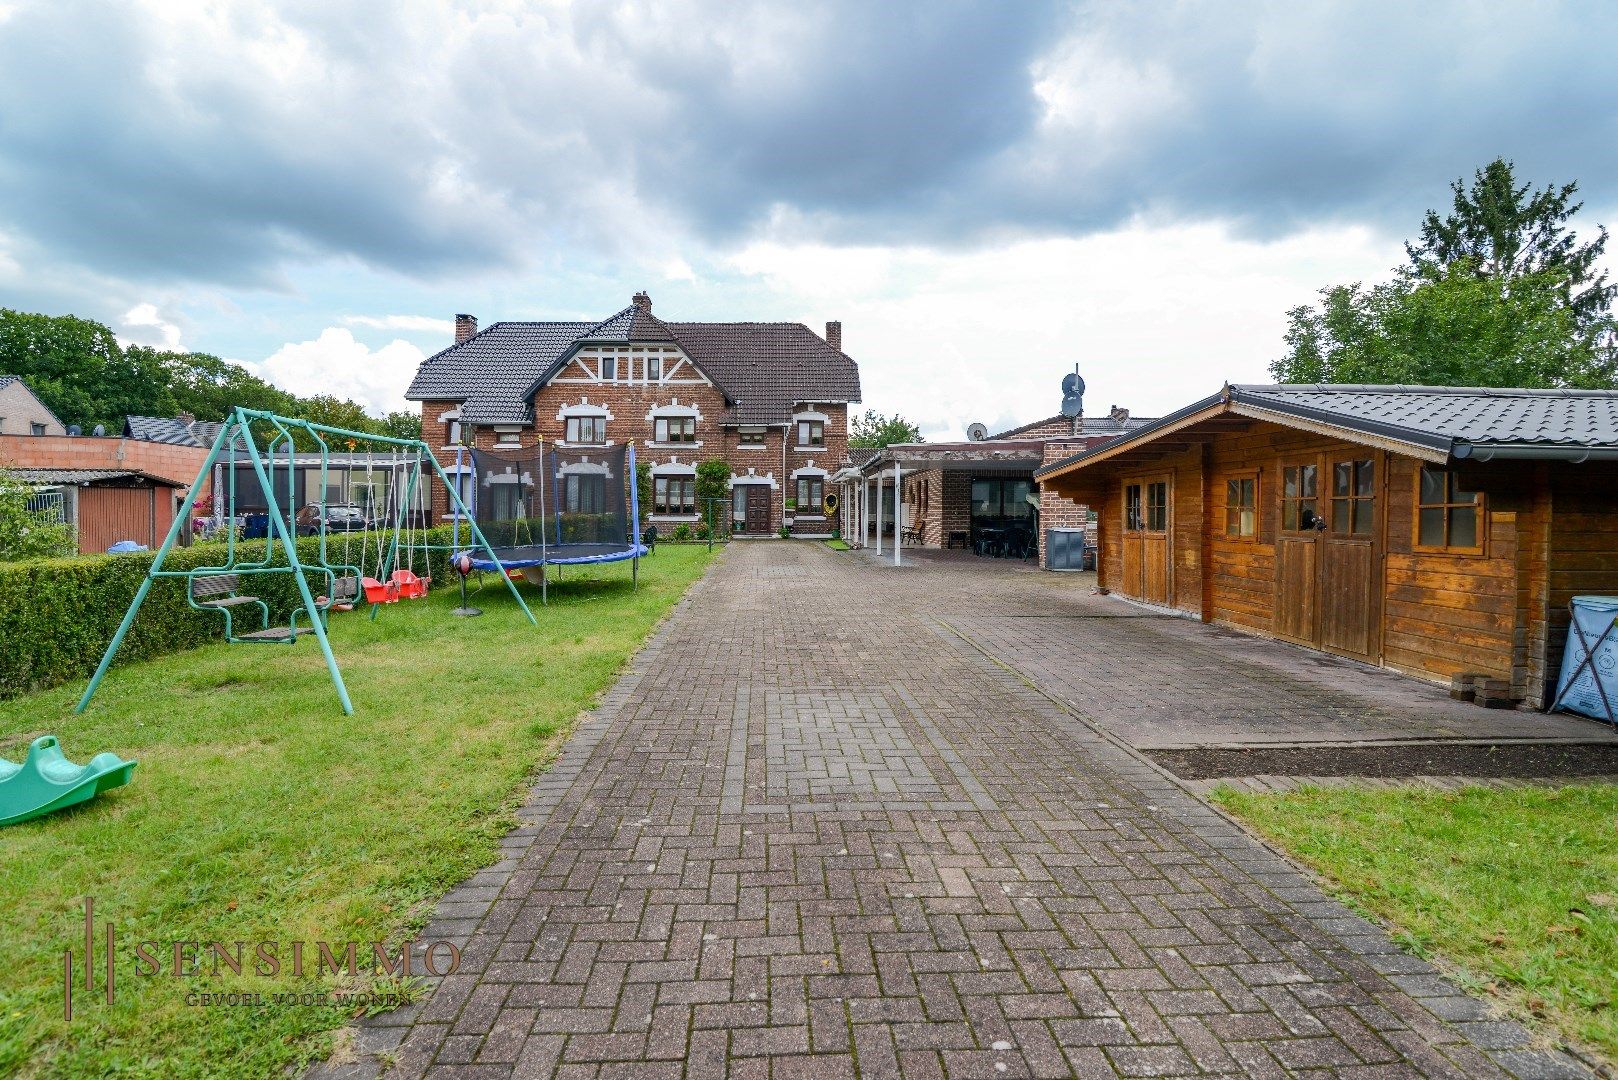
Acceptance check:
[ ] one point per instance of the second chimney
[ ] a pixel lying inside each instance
(642, 302)
(465, 326)
(834, 335)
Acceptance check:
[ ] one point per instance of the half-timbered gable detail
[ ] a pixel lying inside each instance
(767, 398)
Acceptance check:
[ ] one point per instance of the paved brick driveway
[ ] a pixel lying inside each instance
(817, 832)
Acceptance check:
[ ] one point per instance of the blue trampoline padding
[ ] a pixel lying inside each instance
(555, 555)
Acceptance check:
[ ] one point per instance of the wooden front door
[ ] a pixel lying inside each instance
(1327, 553)
(754, 508)
(1144, 547)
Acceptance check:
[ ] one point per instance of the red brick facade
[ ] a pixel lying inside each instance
(630, 417)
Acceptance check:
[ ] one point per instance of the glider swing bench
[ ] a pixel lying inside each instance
(225, 588)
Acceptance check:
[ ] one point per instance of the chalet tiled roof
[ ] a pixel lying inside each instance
(763, 369)
(1473, 417)
(1437, 423)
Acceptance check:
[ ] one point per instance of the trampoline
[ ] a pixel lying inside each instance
(553, 506)
(522, 558)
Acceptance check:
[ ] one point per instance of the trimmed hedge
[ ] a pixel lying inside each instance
(57, 615)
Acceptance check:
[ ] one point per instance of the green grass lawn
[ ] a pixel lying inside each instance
(836, 545)
(1517, 888)
(260, 812)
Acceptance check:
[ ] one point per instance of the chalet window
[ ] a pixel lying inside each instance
(508, 438)
(811, 433)
(654, 369)
(452, 433)
(1134, 521)
(587, 429)
(1447, 518)
(1299, 495)
(1241, 508)
(750, 436)
(1157, 506)
(1353, 497)
(674, 494)
(609, 369)
(585, 493)
(811, 495)
(676, 429)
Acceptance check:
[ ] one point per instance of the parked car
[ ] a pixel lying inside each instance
(340, 517)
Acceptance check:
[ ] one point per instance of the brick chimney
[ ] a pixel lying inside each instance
(1118, 414)
(834, 335)
(642, 302)
(465, 327)
(186, 418)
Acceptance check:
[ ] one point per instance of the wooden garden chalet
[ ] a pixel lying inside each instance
(1435, 530)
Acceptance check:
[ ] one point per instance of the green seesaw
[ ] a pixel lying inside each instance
(47, 782)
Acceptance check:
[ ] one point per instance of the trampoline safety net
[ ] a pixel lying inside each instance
(570, 504)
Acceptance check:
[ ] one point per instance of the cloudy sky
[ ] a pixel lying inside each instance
(985, 194)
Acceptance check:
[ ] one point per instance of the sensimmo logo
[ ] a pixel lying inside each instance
(185, 959)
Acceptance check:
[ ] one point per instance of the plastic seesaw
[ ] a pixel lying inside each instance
(47, 782)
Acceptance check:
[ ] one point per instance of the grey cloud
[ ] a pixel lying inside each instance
(435, 142)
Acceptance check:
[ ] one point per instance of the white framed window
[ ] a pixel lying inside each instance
(675, 429)
(674, 494)
(587, 429)
(508, 439)
(654, 369)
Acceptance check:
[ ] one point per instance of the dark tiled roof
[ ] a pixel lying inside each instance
(1473, 416)
(490, 373)
(1088, 425)
(859, 455)
(162, 429)
(765, 369)
(1453, 422)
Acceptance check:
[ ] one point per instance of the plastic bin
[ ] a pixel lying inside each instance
(1580, 693)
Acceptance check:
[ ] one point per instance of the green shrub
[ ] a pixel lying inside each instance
(682, 531)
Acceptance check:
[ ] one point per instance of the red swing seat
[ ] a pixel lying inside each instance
(378, 592)
(408, 585)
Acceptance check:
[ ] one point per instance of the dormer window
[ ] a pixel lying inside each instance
(587, 429)
(811, 433)
(675, 429)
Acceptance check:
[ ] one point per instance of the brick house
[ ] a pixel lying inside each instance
(975, 494)
(769, 399)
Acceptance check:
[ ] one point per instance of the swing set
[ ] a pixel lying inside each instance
(389, 543)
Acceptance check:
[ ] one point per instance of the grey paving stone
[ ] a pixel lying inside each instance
(836, 820)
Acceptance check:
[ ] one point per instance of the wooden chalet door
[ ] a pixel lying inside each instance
(1327, 553)
(1350, 556)
(1144, 541)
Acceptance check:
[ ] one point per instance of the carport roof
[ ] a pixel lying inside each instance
(998, 455)
(1434, 423)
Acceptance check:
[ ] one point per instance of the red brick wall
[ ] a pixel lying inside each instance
(629, 406)
(1056, 512)
(178, 463)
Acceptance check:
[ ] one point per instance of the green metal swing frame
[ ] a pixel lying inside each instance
(235, 435)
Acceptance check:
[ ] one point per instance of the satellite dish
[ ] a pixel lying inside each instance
(977, 433)
(100, 429)
(74, 429)
(1072, 394)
